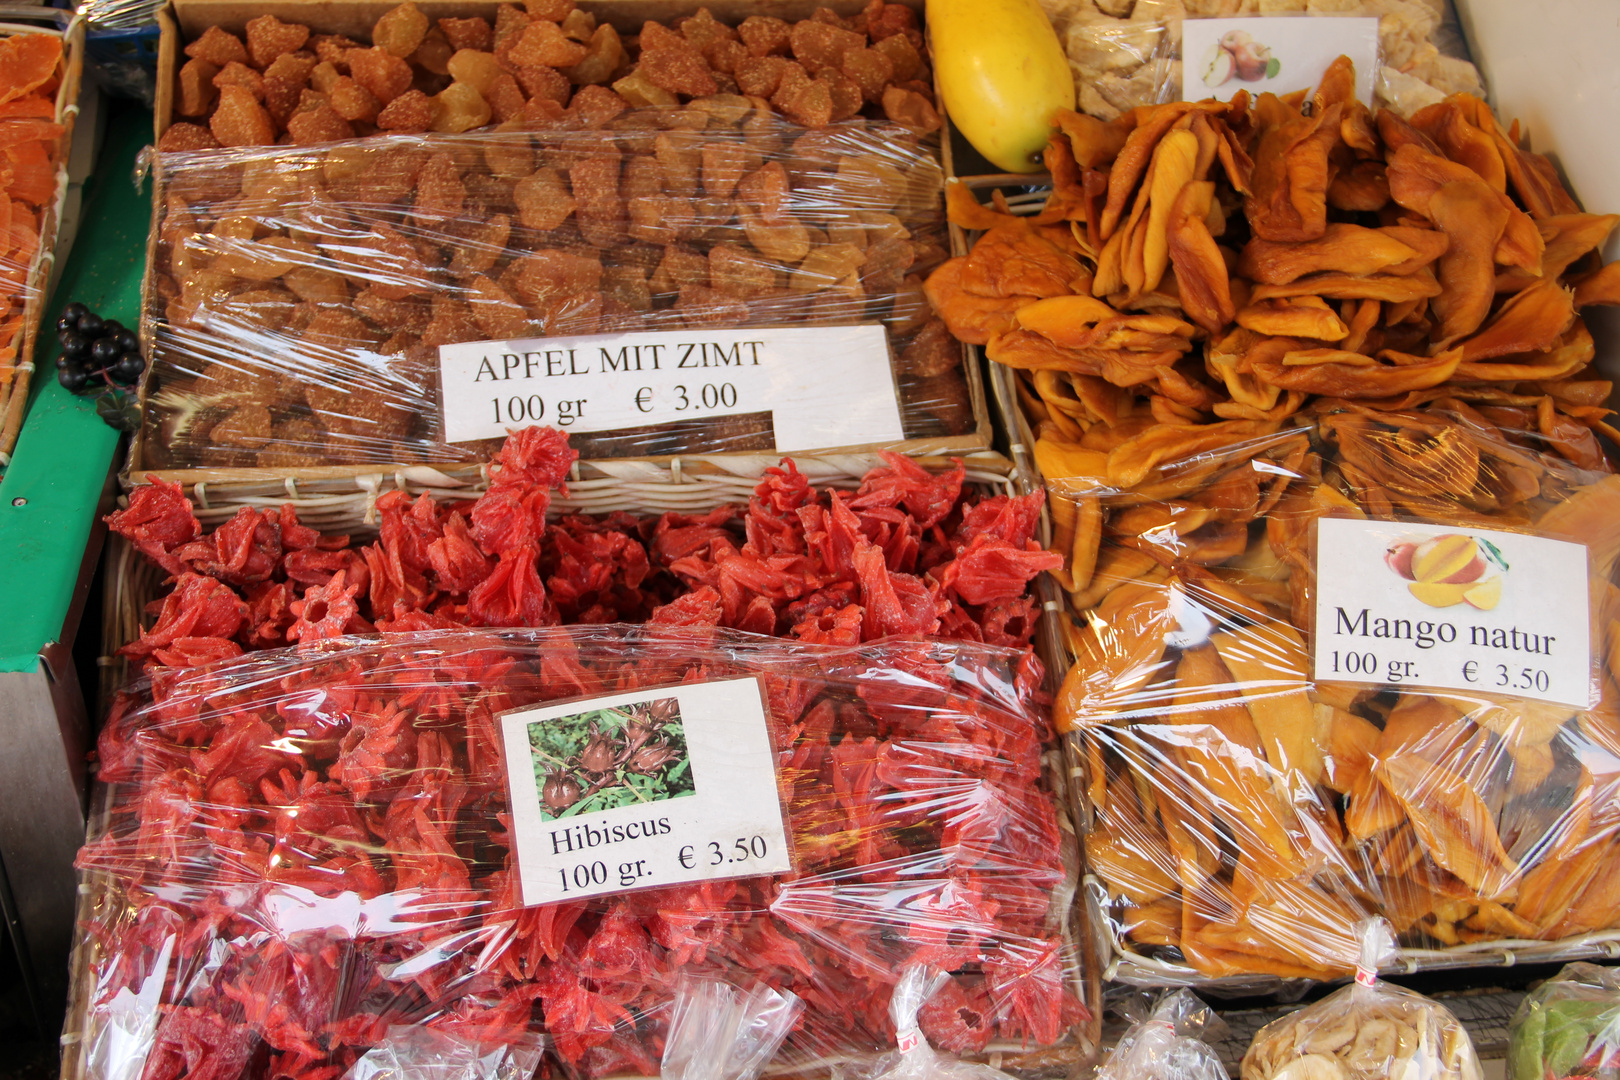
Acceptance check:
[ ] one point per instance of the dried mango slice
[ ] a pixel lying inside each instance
(27, 62)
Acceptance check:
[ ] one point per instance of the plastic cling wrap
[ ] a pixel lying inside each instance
(299, 295)
(300, 853)
(1568, 1026)
(1370, 1030)
(1245, 813)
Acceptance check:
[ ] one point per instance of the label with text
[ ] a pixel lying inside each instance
(645, 789)
(1452, 607)
(824, 387)
(1274, 54)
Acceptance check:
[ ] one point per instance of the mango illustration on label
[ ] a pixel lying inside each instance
(1449, 569)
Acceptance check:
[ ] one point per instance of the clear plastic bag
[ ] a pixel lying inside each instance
(718, 1032)
(298, 851)
(299, 294)
(1369, 1030)
(915, 1059)
(1169, 1044)
(1247, 809)
(1568, 1026)
(1127, 53)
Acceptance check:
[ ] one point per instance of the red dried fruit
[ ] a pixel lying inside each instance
(239, 119)
(268, 37)
(218, 47)
(409, 113)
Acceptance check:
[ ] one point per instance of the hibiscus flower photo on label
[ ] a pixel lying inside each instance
(644, 789)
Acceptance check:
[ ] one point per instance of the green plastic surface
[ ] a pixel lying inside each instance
(49, 494)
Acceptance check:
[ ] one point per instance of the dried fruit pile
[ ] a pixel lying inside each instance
(30, 153)
(1204, 263)
(1246, 816)
(302, 849)
(906, 553)
(550, 65)
(289, 332)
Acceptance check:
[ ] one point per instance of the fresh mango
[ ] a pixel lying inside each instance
(1438, 594)
(1002, 74)
(1444, 557)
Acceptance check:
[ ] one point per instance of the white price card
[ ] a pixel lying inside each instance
(1274, 54)
(1452, 607)
(823, 387)
(644, 789)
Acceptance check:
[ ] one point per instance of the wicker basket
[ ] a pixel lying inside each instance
(14, 394)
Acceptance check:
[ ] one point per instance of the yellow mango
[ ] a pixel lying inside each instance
(1438, 595)
(1438, 559)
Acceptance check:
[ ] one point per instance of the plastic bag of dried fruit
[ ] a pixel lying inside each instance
(1361, 666)
(720, 1032)
(1568, 1026)
(1369, 1030)
(915, 1059)
(1127, 53)
(488, 835)
(307, 302)
(1169, 1044)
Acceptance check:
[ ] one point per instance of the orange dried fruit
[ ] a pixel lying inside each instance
(596, 106)
(818, 45)
(600, 211)
(218, 48)
(543, 200)
(333, 49)
(317, 125)
(411, 112)
(459, 107)
(555, 10)
(509, 22)
(35, 106)
(760, 76)
(440, 192)
(846, 94)
(182, 137)
(543, 42)
(380, 71)
(33, 176)
(541, 82)
(910, 109)
(505, 99)
(239, 119)
(803, 100)
(433, 55)
(477, 69)
(473, 33)
(268, 37)
(871, 70)
(195, 89)
(400, 30)
(903, 54)
(640, 92)
(679, 69)
(498, 316)
(352, 101)
(239, 74)
(765, 35)
(604, 53)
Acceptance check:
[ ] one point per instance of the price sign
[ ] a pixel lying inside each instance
(1452, 607)
(824, 387)
(642, 790)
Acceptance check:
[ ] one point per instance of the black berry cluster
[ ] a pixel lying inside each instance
(96, 353)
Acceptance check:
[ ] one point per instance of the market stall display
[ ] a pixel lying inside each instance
(1567, 1027)
(296, 851)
